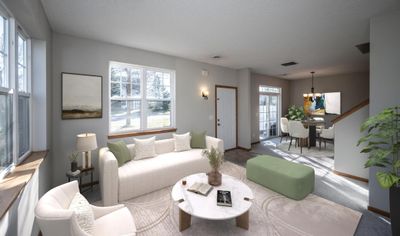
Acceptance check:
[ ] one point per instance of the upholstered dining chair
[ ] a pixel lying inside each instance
(54, 217)
(297, 131)
(327, 135)
(284, 127)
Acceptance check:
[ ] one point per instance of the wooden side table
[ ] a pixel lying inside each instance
(83, 186)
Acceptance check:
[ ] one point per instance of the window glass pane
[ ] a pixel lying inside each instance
(5, 131)
(125, 115)
(158, 114)
(23, 124)
(22, 65)
(21, 50)
(266, 89)
(3, 79)
(158, 85)
(115, 74)
(3, 34)
(115, 89)
(21, 78)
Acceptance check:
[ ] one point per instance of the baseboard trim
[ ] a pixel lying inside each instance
(350, 176)
(379, 211)
(242, 148)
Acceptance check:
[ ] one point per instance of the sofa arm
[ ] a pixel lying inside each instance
(108, 176)
(216, 143)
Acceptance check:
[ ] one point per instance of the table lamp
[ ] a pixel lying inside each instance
(85, 143)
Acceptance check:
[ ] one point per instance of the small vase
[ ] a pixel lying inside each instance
(214, 178)
(74, 166)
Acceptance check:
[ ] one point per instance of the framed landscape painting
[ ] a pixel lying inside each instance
(81, 96)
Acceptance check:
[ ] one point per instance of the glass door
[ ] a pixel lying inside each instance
(269, 112)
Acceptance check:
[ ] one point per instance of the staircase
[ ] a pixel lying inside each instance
(348, 159)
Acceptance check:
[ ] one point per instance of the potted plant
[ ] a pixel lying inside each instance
(215, 159)
(73, 159)
(383, 146)
(295, 113)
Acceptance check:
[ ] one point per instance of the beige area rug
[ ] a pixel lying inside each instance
(270, 214)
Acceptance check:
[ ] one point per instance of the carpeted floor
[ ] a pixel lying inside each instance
(270, 214)
(344, 191)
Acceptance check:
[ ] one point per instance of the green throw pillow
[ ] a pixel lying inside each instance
(120, 151)
(198, 140)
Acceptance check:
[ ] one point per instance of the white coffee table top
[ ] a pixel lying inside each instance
(206, 206)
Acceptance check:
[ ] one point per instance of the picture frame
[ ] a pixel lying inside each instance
(81, 96)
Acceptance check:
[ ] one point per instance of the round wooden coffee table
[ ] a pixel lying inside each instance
(205, 207)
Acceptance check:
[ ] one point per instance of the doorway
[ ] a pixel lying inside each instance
(269, 111)
(226, 115)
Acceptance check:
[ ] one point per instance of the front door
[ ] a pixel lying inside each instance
(226, 115)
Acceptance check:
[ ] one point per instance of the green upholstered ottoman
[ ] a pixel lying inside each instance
(293, 180)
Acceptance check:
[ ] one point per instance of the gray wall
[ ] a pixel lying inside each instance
(354, 89)
(244, 104)
(256, 81)
(384, 82)
(77, 55)
(31, 16)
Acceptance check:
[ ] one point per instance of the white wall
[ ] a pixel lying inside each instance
(384, 83)
(348, 158)
(244, 108)
(78, 55)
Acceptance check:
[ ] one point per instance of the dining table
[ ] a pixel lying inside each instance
(312, 124)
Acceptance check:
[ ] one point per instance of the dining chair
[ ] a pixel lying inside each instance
(284, 127)
(327, 135)
(297, 131)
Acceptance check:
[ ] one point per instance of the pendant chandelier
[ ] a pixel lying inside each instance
(312, 94)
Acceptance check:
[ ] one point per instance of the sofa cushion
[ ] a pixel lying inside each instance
(198, 140)
(165, 146)
(120, 151)
(106, 225)
(145, 148)
(83, 212)
(144, 176)
(182, 142)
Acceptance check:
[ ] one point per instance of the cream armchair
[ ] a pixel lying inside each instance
(297, 131)
(54, 217)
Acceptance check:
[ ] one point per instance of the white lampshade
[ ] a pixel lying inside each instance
(86, 142)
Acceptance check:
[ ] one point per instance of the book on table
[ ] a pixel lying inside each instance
(224, 198)
(200, 188)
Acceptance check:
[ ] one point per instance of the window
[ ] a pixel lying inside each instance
(23, 95)
(141, 98)
(15, 108)
(6, 130)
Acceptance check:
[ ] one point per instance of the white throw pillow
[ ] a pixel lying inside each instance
(182, 142)
(83, 212)
(145, 148)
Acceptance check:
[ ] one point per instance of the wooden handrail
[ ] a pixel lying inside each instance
(351, 111)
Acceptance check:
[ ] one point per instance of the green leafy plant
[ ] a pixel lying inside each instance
(215, 157)
(73, 157)
(383, 145)
(295, 113)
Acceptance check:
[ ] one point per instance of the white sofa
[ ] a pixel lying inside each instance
(54, 217)
(138, 177)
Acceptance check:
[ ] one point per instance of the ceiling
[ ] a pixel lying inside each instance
(259, 34)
